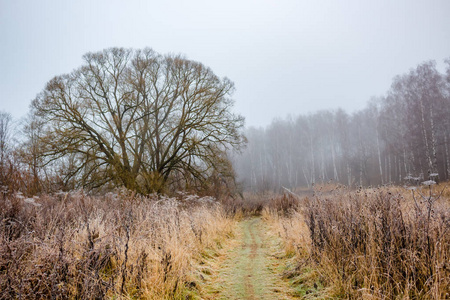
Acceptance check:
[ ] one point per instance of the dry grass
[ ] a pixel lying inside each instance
(119, 245)
(248, 205)
(388, 243)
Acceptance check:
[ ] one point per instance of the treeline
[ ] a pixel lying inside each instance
(401, 137)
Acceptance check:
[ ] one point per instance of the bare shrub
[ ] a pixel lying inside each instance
(285, 204)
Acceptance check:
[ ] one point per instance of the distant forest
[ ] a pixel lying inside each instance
(402, 137)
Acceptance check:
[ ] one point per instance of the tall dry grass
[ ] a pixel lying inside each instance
(116, 246)
(388, 243)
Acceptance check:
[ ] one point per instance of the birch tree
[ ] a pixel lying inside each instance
(5, 135)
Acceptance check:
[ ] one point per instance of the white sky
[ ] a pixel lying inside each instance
(285, 56)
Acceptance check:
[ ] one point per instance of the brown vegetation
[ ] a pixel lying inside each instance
(387, 243)
(119, 245)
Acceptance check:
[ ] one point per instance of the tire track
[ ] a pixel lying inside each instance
(249, 288)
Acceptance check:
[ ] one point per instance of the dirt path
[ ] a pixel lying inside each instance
(249, 267)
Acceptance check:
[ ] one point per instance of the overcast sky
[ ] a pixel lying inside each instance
(284, 56)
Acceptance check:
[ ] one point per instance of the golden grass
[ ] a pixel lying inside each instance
(386, 243)
(117, 246)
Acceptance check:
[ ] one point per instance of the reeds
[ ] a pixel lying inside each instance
(119, 245)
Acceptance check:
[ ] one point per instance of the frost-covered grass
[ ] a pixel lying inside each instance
(387, 243)
(116, 246)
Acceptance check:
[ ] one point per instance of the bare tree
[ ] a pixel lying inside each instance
(29, 151)
(5, 134)
(138, 119)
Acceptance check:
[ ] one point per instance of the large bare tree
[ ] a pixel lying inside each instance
(138, 119)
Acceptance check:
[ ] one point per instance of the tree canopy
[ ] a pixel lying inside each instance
(138, 119)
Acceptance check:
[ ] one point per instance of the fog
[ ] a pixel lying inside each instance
(400, 138)
(285, 57)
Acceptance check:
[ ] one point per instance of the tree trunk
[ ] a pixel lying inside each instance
(447, 158)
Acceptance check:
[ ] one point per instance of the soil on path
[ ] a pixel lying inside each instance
(251, 266)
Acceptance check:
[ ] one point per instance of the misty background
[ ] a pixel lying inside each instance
(351, 92)
(285, 57)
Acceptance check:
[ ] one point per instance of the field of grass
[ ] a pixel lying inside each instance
(115, 246)
(386, 243)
